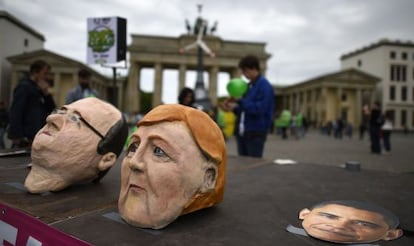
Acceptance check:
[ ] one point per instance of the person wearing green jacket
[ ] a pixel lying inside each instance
(283, 122)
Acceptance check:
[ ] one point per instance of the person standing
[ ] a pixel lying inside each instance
(386, 132)
(254, 110)
(83, 89)
(186, 97)
(283, 122)
(375, 123)
(31, 104)
(339, 128)
(364, 122)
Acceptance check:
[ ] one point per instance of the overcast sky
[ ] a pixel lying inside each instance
(304, 37)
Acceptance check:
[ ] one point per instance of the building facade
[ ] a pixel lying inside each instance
(393, 62)
(328, 97)
(20, 38)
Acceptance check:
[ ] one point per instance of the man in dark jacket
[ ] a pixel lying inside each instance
(254, 110)
(375, 123)
(32, 103)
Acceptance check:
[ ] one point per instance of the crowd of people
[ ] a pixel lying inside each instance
(338, 128)
(287, 124)
(254, 112)
(376, 122)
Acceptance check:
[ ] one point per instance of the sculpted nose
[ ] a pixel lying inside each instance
(343, 226)
(136, 163)
(56, 120)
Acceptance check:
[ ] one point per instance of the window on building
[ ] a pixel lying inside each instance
(392, 93)
(403, 73)
(26, 42)
(391, 114)
(398, 73)
(343, 97)
(403, 117)
(412, 94)
(359, 63)
(392, 55)
(404, 56)
(403, 93)
(344, 114)
(412, 122)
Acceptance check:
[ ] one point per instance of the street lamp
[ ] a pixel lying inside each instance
(202, 101)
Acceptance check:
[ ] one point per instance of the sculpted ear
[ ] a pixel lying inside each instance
(303, 213)
(107, 161)
(210, 178)
(393, 234)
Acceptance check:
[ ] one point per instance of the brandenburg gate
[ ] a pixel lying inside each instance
(160, 52)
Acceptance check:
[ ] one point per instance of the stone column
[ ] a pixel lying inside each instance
(132, 95)
(358, 107)
(283, 99)
(313, 108)
(156, 96)
(212, 84)
(305, 104)
(338, 110)
(319, 107)
(286, 102)
(181, 77)
(325, 105)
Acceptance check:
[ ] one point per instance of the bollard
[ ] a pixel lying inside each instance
(353, 166)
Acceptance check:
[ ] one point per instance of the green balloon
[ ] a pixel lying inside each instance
(236, 87)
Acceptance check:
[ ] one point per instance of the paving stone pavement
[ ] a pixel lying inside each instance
(316, 148)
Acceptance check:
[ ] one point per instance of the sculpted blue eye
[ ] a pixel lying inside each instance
(160, 155)
(75, 118)
(159, 152)
(132, 148)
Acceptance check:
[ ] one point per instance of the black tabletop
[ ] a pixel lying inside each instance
(261, 200)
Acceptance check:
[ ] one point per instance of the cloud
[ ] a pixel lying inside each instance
(305, 38)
